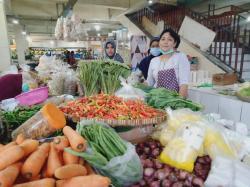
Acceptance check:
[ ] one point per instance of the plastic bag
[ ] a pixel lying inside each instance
(216, 143)
(182, 151)
(59, 29)
(123, 170)
(70, 83)
(221, 173)
(9, 104)
(11, 70)
(129, 92)
(56, 85)
(227, 172)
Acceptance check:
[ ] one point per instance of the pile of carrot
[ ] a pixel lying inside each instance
(104, 106)
(26, 163)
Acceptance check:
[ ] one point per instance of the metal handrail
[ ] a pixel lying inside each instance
(228, 32)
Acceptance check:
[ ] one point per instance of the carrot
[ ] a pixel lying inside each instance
(9, 174)
(44, 171)
(34, 163)
(60, 183)
(90, 170)
(29, 146)
(10, 156)
(61, 142)
(47, 182)
(38, 177)
(7, 146)
(53, 161)
(81, 161)
(70, 170)
(20, 138)
(69, 158)
(87, 181)
(76, 141)
(1, 146)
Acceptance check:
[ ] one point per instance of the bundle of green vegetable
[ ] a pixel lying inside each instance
(162, 98)
(13, 119)
(109, 154)
(101, 76)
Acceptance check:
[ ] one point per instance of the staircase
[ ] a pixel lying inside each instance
(231, 45)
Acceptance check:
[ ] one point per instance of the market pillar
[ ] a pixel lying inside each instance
(21, 44)
(4, 41)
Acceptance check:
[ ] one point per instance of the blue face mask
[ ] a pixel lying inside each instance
(166, 52)
(155, 51)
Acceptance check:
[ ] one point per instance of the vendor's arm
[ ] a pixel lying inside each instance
(184, 72)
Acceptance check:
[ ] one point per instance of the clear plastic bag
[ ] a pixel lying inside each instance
(123, 170)
(221, 173)
(228, 172)
(182, 151)
(129, 92)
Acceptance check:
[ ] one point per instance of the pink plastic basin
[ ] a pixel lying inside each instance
(33, 97)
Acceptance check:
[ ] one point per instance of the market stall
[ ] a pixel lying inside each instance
(116, 132)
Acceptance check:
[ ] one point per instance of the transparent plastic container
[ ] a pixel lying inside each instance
(42, 124)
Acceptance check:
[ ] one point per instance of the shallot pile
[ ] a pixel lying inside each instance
(157, 174)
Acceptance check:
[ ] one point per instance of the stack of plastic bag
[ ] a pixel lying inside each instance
(59, 29)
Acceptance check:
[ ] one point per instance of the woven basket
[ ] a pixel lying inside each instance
(123, 123)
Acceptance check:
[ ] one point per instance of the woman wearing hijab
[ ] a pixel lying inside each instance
(110, 51)
(170, 70)
(153, 52)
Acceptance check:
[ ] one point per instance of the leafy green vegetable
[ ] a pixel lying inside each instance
(12, 120)
(245, 92)
(162, 98)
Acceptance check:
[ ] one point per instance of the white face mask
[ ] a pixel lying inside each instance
(166, 52)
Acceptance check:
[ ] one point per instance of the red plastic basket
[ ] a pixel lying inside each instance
(33, 97)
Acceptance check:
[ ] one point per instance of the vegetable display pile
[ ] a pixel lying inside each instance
(157, 174)
(105, 143)
(25, 163)
(108, 153)
(100, 76)
(105, 106)
(12, 120)
(162, 98)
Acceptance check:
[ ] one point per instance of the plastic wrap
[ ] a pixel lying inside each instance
(182, 151)
(59, 29)
(127, 91)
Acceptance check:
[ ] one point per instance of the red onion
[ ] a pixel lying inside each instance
(158, 164)
(201, 160)
(143, 157)
(183, 175)
(148, 163)
(135, 185)
(148, 180)
(146, 150)
(142, 182)
(166, 183)
(177, 184)
(156, 152)
(197, 167)
(208, 159)
(172, 177)
(160, 174)
(155, 184)
(152, 145)
(187, 183)
(148, 172)
(198, 182)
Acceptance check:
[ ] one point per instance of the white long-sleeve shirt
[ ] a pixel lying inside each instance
(178, 61)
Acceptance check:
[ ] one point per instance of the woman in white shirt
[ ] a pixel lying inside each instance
(170, 70)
